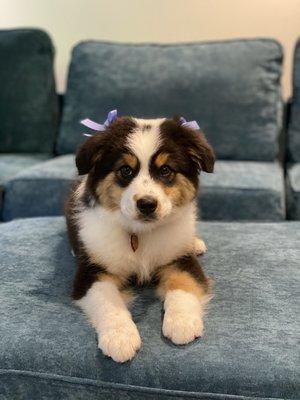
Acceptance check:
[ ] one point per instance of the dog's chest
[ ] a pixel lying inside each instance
(110, 245)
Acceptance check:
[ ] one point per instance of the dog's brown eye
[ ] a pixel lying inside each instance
(165, 171)
(126, 171)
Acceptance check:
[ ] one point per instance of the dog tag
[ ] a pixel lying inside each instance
(134, 241)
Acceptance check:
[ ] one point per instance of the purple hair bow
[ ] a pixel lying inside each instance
(190, 124)
(111, 116)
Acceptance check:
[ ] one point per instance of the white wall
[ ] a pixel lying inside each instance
(69, 21)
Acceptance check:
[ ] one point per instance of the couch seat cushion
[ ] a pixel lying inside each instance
(243, 190)
(48, 350)
(28, 102)
(11, 164)
(237, 190)
(39, 190)
(231, 88)
(293, 191)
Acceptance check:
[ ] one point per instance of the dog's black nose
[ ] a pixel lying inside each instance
(146, 205)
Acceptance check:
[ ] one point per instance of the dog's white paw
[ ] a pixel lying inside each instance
(181, 327)
(199, 247)
(121, 342)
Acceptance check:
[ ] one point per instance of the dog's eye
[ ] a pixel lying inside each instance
(126, 171)
(165, 171)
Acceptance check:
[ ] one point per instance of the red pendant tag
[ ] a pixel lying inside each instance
(134, 242)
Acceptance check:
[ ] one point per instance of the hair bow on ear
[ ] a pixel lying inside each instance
(190, 124)
(111, 116)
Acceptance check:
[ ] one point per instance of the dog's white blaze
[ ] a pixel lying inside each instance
(144, 143)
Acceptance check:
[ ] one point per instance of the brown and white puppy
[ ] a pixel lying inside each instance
(133, 214)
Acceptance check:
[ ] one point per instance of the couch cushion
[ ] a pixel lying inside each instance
(11, 164)
(231, 88)
(293, 191)
(39, 190)
(48, 350)
(28, 103)
(236, 191)
(294, 124)
(243, 191)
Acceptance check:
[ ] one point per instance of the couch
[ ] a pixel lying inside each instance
(293, 144)
(232, 88)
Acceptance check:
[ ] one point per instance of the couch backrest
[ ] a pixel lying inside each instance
(294, 123)
(28, 102)
(231, 88)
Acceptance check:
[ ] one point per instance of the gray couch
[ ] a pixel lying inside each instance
(249, 350)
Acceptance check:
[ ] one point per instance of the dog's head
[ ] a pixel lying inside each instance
(144, 169)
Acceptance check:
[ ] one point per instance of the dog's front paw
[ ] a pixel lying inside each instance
(182, 328)
(199, 247)
(121, 342)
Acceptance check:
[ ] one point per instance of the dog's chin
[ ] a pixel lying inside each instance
(138, 224)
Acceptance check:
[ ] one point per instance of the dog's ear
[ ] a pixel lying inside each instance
(201, 151)
(89, 152)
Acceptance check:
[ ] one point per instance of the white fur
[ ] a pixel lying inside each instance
(107, 238)
(183, 319)
(200, 247)
(107, 312)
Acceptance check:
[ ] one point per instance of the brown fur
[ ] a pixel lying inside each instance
(109, 193)
(187, 146)
(161, 159)
(181, 192)
(172, 279)
(104, 277)
(131, 160)
(181, 275)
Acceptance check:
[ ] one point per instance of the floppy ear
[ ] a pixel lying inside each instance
(201, 152)
(88, 153)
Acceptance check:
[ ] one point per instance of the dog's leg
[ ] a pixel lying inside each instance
(199, 246)
(105, 307)
(185, 292)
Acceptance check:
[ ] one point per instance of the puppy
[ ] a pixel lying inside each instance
(133, 214)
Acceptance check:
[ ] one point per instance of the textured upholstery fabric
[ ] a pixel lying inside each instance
(294, 125)
(11, 164)
(236, 191)
(293, 191)
(48, 350)
(243, 190)
(28, 103)
(39, 190)
(231, 88)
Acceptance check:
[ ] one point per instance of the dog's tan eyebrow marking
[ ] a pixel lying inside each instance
(161, 159)
(130, 159)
